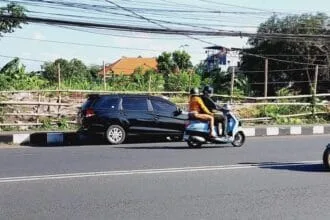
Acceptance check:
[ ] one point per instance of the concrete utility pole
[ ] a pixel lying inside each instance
(266, 78)
(315, 79)
(315, 89)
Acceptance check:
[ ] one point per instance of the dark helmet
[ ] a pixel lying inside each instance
(194, 91)
(207, 90)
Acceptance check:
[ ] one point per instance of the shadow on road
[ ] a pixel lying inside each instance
(300, 167)
(172, 147)
(40, 139)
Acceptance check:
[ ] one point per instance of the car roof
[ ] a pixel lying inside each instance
(122, 95)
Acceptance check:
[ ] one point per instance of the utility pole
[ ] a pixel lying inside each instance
(315, 79)
(315, 90)
(266, 78)
(59, 75)
(232, 84)
(104, 80)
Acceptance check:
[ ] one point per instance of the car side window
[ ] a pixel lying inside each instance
(135, 103)
(107, 103)
(162, 106)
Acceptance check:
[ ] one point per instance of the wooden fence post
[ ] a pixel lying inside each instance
(104, 79)
(232, 84)
(59, 75)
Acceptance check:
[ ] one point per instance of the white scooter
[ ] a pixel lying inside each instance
(197, 132)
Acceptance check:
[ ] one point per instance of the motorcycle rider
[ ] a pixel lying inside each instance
(198, 110)
(219, 117)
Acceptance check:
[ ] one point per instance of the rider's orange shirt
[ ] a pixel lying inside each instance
(196, 104)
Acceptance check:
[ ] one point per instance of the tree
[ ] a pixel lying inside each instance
(182, 60)
(73, 70)
(183, 81)
(14, 76)
(165, 64)
(293, 50)
(148, 80)
(173, 62)
(11, 17)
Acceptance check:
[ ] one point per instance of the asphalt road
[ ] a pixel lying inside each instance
(267, 178)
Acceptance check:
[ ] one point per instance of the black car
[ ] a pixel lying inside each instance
(120, 115)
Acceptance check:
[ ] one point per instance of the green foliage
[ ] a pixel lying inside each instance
(46, 123)
(182, 60)
(63, 124)
(7, 25)
(74, 70)
(14, 77)
(182, 81)
(315, 51)
(221, 82)
(175, 62)
(165, 64)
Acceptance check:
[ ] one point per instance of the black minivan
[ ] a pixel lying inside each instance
(120, 115)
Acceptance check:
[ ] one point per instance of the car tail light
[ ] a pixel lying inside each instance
(90, 112)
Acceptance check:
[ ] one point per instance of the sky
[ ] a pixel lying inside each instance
(38, 43)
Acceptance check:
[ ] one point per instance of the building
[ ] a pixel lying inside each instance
(127, 65)
(220, 58)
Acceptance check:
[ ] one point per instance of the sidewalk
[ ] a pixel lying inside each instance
(70, 137)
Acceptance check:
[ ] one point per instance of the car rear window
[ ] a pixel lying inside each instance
(106, 102)
(135, 103)
(87, 104)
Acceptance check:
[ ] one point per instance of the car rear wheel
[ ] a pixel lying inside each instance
(115, 134)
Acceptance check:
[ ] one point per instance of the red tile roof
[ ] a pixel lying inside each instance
(127, 65)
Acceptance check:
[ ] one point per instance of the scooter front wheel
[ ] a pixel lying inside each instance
(194, 144)
(326, 158)
(239, 139)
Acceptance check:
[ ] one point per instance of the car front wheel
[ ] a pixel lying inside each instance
(115, 134)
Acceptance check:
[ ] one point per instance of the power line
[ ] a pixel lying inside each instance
(283, 61)
(82, 44)
(157, 23)
(22, 58)
(161, 30)
(237, 6)
(286, 82)
(278, 70)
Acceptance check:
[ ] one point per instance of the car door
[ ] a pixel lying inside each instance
(137, 112)
(166, 120)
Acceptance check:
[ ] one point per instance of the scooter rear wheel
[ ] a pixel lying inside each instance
(194, 144)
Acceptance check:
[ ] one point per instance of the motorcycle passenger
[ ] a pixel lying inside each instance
(198, 110)
(219, 117)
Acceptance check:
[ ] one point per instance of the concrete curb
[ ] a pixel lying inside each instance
(71, 138)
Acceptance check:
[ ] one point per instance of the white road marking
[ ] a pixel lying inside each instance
(154, 171)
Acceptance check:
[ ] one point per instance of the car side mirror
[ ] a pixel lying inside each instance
(177, 112)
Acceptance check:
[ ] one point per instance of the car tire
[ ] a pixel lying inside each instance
(115, 134)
